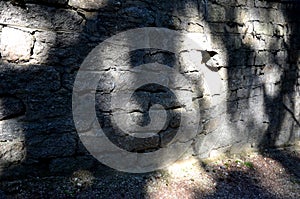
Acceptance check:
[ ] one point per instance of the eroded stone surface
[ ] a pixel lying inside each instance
(27, 79)
(11, 152)
(257, 46)
(10, 107)
(16, 45)
(89, 4)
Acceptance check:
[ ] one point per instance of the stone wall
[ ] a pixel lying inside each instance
(43, 43)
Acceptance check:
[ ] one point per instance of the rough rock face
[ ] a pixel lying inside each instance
(89, 5)
(16, 44)
(254, 47)
(10, 107)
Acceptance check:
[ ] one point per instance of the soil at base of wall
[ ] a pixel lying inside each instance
(271, 174)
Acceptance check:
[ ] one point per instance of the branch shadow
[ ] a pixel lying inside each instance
(53, 116)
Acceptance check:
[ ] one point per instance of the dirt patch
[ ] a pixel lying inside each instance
(272, 174)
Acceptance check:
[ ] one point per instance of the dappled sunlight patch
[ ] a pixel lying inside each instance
(186, 169)
(246, 176)
(184, 179)
(249, 174)
(253, 174)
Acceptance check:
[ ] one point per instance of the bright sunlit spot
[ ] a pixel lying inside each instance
(183, 179)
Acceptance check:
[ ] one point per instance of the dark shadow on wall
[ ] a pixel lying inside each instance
(44, 125)
(277, 107)
(283, 105)
(243, 59)
(49, 112)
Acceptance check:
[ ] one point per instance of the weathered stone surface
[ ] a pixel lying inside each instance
(54, 2)
(40, 17)
(16, 45)
(88, 4)
(21, 130)
(257, 50)
(11, 152)
(27, 79)
(52, 145)
(263, 28)
(45, 105)
(71, 164)
(216, 13)
(10, 107)
(166, 137)
(138, 15)
(63, 49)
(44, 42)
(11, 130)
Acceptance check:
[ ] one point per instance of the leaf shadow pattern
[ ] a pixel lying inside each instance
(284, 103)
(61, 131)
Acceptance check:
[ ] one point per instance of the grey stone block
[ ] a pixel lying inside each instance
(48, 105)
(87, 4)
(50, 145)
(257, 48)
(27, 79)
(216, 13)
(40, 17)
(11, 107)
(51, 2)
(16, 45)
(12, 152)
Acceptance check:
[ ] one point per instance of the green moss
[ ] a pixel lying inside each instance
(249, 165)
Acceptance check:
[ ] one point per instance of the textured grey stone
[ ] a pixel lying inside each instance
(44, 42)
(54, 2)
(87, 4)
(12, 151)
(103, 102)
(51, 145)
(212, 124)
(260, 55)
(263, 28)
(45, 105)
(21, 130)
(166, 137)
(11, 130)
(16, 45)
(11, 107)
(27, 79)
(40, 17)
(216, 13)
(138, 15)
